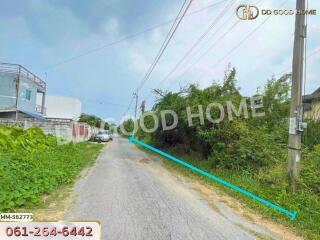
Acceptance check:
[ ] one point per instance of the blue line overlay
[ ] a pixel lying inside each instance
(292, 215)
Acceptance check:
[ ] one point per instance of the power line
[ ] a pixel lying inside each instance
(127, 37)
(219, 39)
(308, 56)
(313, 53)
(161, 50)
(211, 46)
(164, 45)
(198, 41)
(242, 41)
(129, 107)
(214, 43)
(223, 35)
(305, 56)
(215, 21)
(104, 102)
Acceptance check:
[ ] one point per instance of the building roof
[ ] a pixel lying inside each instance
(312, 96)
(33, 115)
(63, 107)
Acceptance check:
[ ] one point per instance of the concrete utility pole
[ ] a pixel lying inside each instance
(296, 110)
(135, 110)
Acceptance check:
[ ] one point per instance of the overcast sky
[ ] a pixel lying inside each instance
(43, 35)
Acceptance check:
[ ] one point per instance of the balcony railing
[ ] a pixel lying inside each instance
(22, 71)
(40, 110)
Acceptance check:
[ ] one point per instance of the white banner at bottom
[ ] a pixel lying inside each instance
(50, 230)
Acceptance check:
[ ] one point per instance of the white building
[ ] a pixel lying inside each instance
(63, 108)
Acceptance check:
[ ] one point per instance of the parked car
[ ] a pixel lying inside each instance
(103, 136)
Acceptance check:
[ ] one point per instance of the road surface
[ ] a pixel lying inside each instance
(135, 198)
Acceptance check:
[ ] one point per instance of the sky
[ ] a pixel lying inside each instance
(58, 41)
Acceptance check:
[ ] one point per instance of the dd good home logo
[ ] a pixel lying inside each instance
(247, 12)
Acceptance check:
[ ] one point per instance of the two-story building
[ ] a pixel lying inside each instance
(22, 94)
(23, 102)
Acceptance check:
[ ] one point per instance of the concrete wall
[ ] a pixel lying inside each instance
(7, 91)
(69, 131)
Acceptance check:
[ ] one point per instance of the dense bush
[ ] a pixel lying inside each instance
(255, 144)
(242, 143)
(310, 179)
(31, 140)
(93, 121)
(32, 164)
(251, 153)
(312, 133)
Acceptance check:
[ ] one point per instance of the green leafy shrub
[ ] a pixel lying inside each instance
(310, 179)
(32, 164)
(248, 152)
(31, 140)
(312, 133)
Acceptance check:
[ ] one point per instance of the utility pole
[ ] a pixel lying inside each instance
(18, 93)
(135, 94)
(296, 109)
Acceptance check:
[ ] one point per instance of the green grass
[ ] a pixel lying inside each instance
(307, 204)
(25, 176)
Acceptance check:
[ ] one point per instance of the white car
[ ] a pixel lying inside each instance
(103, 136)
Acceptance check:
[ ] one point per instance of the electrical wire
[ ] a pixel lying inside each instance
(305, 133)
(198, 41)
(207, 50)
(129, 107)
(241, 42)
(212, 45)
(104, 102)
(164, 45)
(204, 34)
(223, 35)
(127, 37)
(308, 56)
(305, 57)
(163, 48)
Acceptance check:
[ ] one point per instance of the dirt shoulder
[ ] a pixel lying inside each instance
(216, 197)
(229, 207)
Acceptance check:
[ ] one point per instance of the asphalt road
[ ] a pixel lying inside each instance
(135, 198)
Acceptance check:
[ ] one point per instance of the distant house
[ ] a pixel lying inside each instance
(63, 113)
(20, 91)
(63, 108)
(23, 102)
(311, 105)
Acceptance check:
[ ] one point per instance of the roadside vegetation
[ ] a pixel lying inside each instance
(93, 121)
(250, 153)
(33, 164)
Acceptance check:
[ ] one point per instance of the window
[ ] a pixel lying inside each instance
(27, 94)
